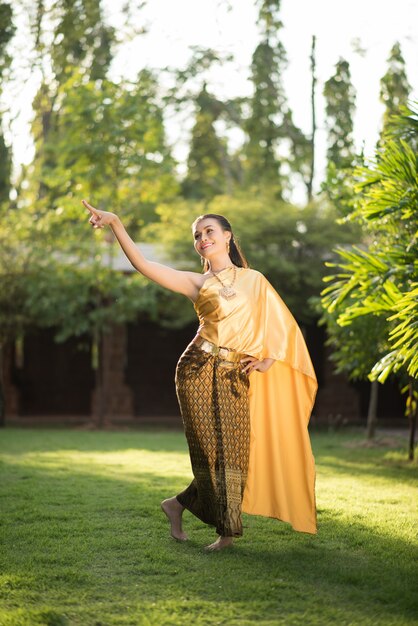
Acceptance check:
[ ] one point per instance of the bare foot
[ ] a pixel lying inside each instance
(174, 510)
(220, 544)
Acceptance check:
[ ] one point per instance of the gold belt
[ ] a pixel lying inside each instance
(223, 353)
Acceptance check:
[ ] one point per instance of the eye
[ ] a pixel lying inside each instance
(197, 235)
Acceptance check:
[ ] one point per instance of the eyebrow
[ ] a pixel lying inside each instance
(204, 228)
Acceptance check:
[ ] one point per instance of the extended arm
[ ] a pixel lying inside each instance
(186, 283)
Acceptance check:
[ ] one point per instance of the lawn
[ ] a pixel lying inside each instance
(84, 541)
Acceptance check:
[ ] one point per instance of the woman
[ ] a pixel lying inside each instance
(245, 386)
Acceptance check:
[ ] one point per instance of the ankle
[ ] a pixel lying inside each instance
(178, 504)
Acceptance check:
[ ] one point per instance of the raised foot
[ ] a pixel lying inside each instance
(174, 510)
(220, 544)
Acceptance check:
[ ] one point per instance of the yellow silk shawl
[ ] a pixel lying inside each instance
(281, 474)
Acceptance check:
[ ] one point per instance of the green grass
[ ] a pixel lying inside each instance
(84, 541)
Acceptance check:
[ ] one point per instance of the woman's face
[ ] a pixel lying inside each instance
(209, 238)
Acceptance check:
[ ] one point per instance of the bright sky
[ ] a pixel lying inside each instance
(340, 28)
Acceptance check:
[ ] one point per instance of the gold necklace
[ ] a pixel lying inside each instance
(227, 291)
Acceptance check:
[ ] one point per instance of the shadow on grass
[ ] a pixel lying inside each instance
(390, 469)
(72, 538)
(328, 449)
(22, 441)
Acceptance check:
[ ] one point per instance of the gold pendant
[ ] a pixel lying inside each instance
(227, 292)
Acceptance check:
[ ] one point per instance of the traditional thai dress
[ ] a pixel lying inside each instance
(248, 434)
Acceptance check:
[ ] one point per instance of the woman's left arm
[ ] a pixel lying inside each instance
(255, 364)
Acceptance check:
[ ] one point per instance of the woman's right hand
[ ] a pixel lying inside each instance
(99, 219)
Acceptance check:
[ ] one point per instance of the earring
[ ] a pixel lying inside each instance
(227, 246)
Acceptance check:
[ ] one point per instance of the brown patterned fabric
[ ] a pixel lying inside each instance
(213, 398)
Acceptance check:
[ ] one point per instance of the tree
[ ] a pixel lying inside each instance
(301, 150)
(309, 183)
(92, 136)
(110, 140)
(340, 106)
(45, 285)
(275, 146)
(208, 168)
(69, 35)
(80, 42)
(394, 85)
(261, 164)
(7, 30)
(381, 278)
(5, 170)
(211, 169)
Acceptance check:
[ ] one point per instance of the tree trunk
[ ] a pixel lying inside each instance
(372, 411)
(100, 412)
(313, 86)
(98, 416)
(412, 418)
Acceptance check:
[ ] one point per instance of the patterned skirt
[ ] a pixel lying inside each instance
(213, 399)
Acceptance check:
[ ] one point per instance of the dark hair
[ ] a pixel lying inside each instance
(235, 253)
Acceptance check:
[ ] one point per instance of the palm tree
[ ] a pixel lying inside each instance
(381, 276)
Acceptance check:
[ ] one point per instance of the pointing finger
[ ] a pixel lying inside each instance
(89, 207)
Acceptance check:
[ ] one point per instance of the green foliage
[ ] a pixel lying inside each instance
(411, 404)
(211, 170)
(5, 170)
(208, 167)
(275, 145)
(394, 85)
(17, 255)
(52, 283)
(261, 164)
(284, 242)
(300, 159)
(92, 136)
(405, 126)
(340, 107)
(80, 45)
(7, 30)
(355, 347)
(79, 300)
(81, 39)
(107, 139)
(382, 278)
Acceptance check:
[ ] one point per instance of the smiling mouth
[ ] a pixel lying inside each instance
(207, 245)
